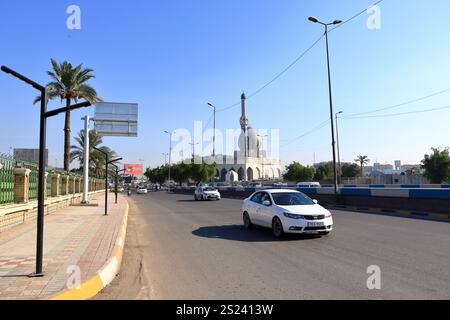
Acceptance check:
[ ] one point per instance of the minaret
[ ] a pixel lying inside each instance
(244, 119)
(244, 125)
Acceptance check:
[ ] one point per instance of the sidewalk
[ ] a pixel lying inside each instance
(74, 236)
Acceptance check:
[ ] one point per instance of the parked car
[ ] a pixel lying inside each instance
(141, 190)
(286, 211)
(308, 185)
(206, 193)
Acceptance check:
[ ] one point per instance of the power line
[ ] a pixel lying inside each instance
(355, 16)
(296, 60)
(397, 105)
(318, 127)
(400, 114)
(277, 76)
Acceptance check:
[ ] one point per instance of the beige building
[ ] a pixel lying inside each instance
(250, 162)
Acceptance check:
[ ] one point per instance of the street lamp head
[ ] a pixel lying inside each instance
(210, 104)
(337, 22)
(313, 19)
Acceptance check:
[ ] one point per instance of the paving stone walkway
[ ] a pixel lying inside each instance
(74, 237)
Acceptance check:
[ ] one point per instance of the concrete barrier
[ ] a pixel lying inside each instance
(419, 200)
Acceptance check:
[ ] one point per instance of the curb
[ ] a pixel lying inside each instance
(105, 275)
(407, 214)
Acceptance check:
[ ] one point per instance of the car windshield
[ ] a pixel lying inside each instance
(209, 189)
(292, 199)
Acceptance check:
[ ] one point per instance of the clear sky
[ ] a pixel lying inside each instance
(173, 56)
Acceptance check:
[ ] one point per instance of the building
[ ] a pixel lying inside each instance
(29, 155)
(250, 162)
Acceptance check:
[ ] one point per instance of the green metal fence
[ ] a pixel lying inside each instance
(7, 168)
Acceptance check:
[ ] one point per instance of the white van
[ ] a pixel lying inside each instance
(308, 185)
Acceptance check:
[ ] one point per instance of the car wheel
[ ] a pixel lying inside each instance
(277, 228)
(247, 222)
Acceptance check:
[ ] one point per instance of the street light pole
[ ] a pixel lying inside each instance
(44, 114)
(165, 157)
(214, 140)
(262, 157)
(338, 149)
(85, 199)
(326, 25)
(170, 133)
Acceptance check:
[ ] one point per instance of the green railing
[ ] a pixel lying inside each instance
(7, 168)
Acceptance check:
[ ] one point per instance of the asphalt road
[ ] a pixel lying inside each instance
(180, 249)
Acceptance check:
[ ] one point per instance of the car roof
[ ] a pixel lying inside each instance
(278, 190)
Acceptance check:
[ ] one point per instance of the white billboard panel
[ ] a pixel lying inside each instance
(116, 119)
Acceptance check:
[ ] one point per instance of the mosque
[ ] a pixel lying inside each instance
(250, 162)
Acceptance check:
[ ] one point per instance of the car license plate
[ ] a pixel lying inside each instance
(316, 224)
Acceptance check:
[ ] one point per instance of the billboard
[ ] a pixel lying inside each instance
(116, 119)
(133, 169)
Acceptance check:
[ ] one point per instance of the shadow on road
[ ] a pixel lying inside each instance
(239, 233)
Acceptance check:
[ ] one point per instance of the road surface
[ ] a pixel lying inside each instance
(177, 248)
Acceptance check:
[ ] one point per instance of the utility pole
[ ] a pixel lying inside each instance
(338, 151)
(262, 154)
(170, 133)
(214, 141)
(333, 142)
(85, 199)
(44, 115)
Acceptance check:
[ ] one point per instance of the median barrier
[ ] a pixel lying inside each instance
(419, 200)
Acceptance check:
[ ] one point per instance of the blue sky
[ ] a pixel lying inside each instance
(172, 57)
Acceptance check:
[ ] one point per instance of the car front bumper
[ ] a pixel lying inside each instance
(307, 226)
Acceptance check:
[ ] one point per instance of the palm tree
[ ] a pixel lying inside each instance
(96, 158)
(362, 160)
(70, 84)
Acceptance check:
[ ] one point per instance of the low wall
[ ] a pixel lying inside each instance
(16, 214)
(416, 200)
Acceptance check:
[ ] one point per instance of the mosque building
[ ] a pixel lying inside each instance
(250, 162)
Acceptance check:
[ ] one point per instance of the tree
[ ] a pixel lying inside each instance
(350, 170)
(362, 160)
(96, 158)
(437, 166)
(323, 171)
(70, 84)
(299, 173)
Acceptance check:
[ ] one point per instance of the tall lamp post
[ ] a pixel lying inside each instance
(262, 157)
(107, 163)
(116, 182)
(165, 157)
(193, 150)
(44, 115)
(214, 139)
(338, 149)
(170, 133)
(326, 25)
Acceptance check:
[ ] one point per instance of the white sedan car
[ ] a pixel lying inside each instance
(286, 211)
(142, 190)
(206, 193)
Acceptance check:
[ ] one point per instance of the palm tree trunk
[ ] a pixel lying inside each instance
(67, 138)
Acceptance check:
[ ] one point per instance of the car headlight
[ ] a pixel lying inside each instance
(328, 214)
(293, 216)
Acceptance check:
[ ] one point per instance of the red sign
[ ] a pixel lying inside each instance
(133, 169)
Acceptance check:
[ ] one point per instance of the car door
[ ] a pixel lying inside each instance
(265, 213)
(253, 207)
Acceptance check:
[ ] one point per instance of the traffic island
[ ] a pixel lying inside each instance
(82, 253)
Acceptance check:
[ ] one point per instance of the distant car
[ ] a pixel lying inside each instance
(308, 185)
(286, 211)
(141, 190)
(206, 193)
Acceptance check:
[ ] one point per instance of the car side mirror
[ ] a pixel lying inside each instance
(266, 203)
(315, 201)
